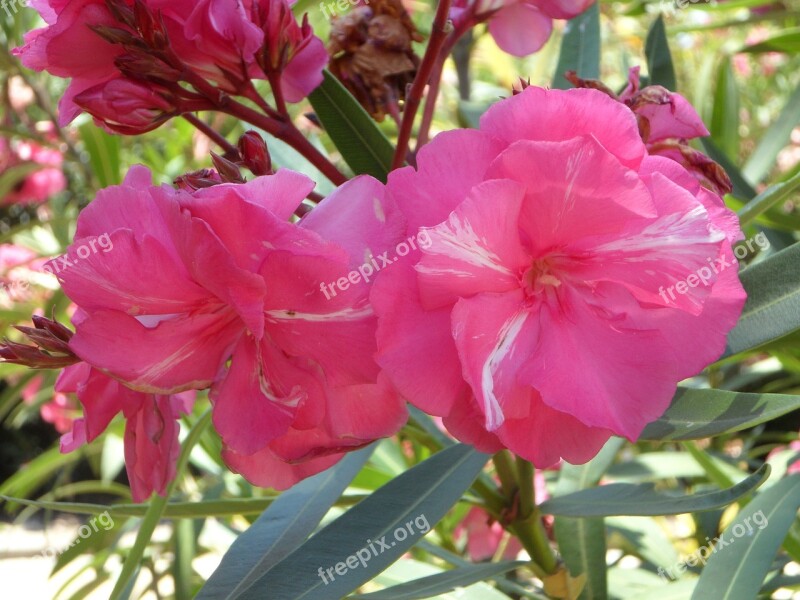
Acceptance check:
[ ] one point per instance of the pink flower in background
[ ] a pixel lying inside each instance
(151, 429)
(197, 279)
(38, 185)
(661, 114)
(544, 316)
(520, 27)
(484, 536)
(94, 42)
(666, 124)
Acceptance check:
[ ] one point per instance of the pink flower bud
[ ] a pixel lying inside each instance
(122, 106)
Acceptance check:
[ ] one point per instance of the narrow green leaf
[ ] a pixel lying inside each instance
(284, 526)
(770, 197)
(441, 583)
(619, 499)
(582, 544)
(659, 59)
(362, 144)
(724, 124)
(772, 309)
(744, 555)
(104, 154)
(374, 533)
(580, 48)
(696, 414)
(775, 139)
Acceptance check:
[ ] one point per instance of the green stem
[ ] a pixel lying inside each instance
(504, 465)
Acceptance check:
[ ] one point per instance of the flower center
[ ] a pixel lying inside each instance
(541, 278)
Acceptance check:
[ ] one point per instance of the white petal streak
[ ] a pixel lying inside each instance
(457, 240)
(507, 337)
(346, 314)
(678, 233)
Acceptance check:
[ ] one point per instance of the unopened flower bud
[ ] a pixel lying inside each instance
(127, 107)
(255, 154)
(228, 170)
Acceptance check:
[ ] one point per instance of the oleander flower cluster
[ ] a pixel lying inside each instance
(531, 320)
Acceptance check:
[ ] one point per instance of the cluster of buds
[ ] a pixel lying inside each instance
(148, 61)
(252, 154)
(50, 350)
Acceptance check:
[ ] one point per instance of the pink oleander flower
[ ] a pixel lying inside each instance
(197, 279)
(559, 301)
(151, 428)
(94, 42)
(519, 27)
(39, 185)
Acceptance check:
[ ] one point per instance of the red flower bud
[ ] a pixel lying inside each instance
(255, 154)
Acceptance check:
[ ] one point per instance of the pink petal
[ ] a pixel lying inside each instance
(416, 349)
(249, 409)
(445, 175)
(360, 217)
(520, 29)
(555, 115)
(176, 354)
(304, 72)
(336, 331)
(567, 200)
(477, 249)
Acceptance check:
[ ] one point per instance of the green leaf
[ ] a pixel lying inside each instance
(582, 544)
(775, 139)
(736, 570)
(770, 197)
(418, 498)
(659, 60)
(724, 124)
(359, 140)
(786, 41)
(284, 526)
(772, 309)
(104, 154)
(620, 499)
(642, 537)
(441, 583)
(580, 48)
(696, 414)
